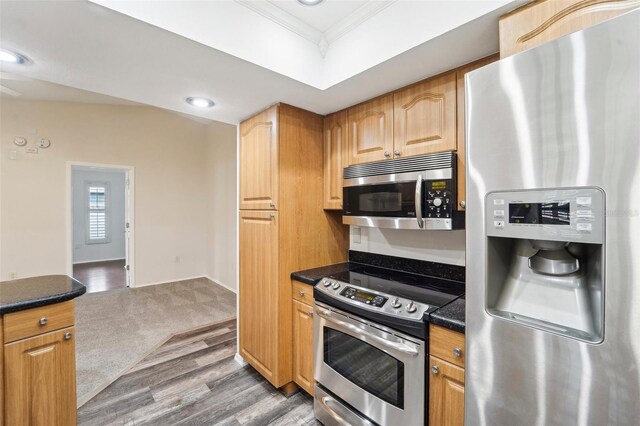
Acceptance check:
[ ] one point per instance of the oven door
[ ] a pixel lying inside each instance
(378, 371)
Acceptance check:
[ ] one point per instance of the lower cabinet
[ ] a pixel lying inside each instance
(40, 370)
(446, 377)
(303, 336)
(446, 393)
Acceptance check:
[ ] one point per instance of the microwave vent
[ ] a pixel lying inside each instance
(443, 160)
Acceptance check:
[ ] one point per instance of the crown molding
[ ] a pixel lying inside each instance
(284, 19)
(357, 17)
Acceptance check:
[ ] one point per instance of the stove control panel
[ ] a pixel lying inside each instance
(372, 300)
(364, 297)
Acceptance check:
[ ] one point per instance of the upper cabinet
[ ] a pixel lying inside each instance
(335, 158)
(425, 117)
(259, 168)
(542, 21)
(370, 130)
(462, 161)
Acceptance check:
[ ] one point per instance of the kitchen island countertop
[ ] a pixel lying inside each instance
(26, 293)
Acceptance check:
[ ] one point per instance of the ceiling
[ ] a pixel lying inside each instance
(246, 55)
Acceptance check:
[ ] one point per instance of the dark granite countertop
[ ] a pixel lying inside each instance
(28, 293)
(312, 276)
(450, 316)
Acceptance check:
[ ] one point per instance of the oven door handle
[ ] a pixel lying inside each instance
(327, 402)
(406, 349)
(418, 202)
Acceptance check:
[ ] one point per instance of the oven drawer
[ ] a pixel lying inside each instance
(302, 292)
(447, 345)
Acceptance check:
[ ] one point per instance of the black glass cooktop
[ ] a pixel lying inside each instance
(433, 291)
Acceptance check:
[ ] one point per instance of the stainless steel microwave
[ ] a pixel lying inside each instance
(407, 193)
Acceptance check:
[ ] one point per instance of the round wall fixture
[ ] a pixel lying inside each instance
(20, 141)
(13, 57)
(200, 102)
(310, 2)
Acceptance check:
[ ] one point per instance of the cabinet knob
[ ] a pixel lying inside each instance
(301, 293)
(43, 321)
(396, 152)
(387, 154)
(435, 369)
(463, 204)
(457, 352)
(67, 336)
(310, 313)
(272, 215)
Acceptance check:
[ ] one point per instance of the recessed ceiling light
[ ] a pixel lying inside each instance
(200, 102)
(16, 58)
(310, 2)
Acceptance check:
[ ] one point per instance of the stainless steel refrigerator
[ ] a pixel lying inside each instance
(553, 233)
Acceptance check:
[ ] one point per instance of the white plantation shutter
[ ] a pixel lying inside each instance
(97, 212)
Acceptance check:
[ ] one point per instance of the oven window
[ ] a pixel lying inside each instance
(366, 366)
(390, 200)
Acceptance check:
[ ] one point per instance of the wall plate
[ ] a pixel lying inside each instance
(20, 141)
(44, 143)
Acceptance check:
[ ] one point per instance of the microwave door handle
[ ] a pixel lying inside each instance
(405, 349)
(418, 202)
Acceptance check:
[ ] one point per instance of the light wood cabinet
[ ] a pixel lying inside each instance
(446, 377)
(446, 393)
(258, 290)
(461, 147)
(303, 344)
(294, 235)
(370, 130)
(259, 168)
(335, 158)
(425, 117)
(542, 21)
(38, 366)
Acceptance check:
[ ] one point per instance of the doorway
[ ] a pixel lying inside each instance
(101, 227)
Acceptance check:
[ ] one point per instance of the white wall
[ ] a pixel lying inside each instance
(221, 204)
(115, 247)
(435, 246)
(168, 153)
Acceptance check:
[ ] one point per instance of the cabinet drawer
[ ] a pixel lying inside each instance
(447, 345)
(302, 292)
(31, 322)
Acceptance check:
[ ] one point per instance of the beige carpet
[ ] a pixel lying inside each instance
(117, 328)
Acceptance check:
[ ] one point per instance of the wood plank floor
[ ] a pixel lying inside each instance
(192, 379)
(101, 276)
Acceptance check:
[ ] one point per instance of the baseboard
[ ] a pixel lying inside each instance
(220, 283)
(99, 260)
(238, 358)
(169, 281)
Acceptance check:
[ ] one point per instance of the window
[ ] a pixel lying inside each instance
(98, 206)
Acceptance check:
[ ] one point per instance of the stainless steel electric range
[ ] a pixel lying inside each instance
(370, 339)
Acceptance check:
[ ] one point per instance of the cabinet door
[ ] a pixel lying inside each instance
(462, 149)
(425, 117)
(335, 157)
(446, 393)
(303, 346)
(259, 161)
(370, 130)
(41, 380)
(259, 290)
(542, 21)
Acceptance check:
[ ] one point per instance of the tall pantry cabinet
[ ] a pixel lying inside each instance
(283, 228)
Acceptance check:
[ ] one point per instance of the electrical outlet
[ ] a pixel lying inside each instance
(13, 275)
(177, 259)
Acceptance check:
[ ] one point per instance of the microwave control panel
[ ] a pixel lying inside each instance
(440, 200)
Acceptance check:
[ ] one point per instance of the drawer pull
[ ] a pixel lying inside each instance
(457, 352)
(67, 336)
(310, 313)
(43, 321)
(301, 293)
(435, 369)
